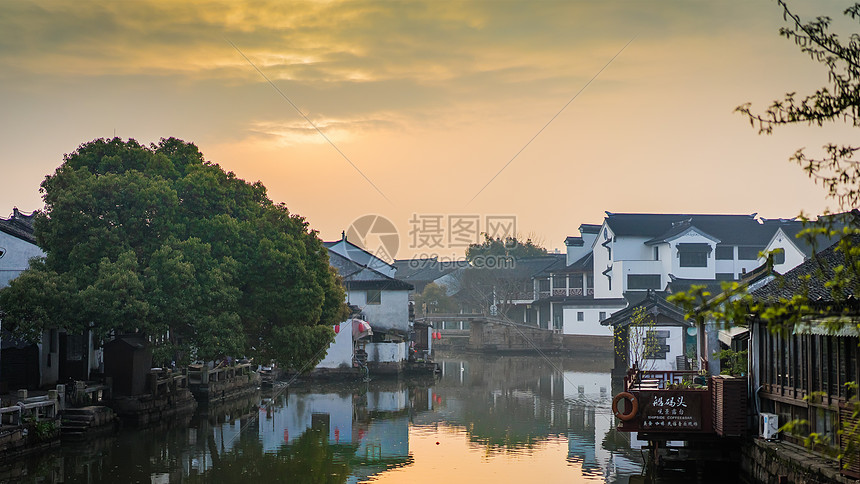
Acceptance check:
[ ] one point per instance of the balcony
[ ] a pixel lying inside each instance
(571, 292)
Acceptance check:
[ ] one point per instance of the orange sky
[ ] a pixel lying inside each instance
(428, 99)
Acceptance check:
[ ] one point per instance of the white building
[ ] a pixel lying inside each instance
(379, 299)
(632, 253)
(24, 365)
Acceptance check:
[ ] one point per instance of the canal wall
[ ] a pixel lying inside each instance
(578, 343)
(511, 337)
(779, 461)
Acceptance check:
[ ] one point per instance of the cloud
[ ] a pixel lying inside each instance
(296, 132)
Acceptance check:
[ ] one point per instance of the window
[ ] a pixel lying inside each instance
(589, 281)
(779, 256)
(656, 253)
(693, 259)
(643, 281)
(749, 253)
(725, 276)
(655, 345)
(602, 315)
(576, 281)
(580, 316)
(725, 252)
(374, 296)
(558, 281)
(543, 285)
(693, 255)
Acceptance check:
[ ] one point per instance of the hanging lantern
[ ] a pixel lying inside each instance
(286, 436)
(336, 435)
(336, 328)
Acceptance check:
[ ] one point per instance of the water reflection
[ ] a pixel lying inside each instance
(484, 415)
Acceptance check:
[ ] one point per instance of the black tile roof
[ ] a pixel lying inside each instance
(574, 241)
(834, 222)
(677, 285)
(654, 303)
(584, 264)
(425, 270)
(729, 229)
(810, 278)
(589, 229)
(19, 225)
(357, 276)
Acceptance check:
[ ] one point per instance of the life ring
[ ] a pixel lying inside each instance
(633, 408)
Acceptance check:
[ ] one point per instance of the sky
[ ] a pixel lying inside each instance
(546, 112)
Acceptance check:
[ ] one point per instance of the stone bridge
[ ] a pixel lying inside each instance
(488, 333)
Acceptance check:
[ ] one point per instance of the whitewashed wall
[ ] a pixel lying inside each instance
(386, 352)
(676, 348)
(339, 354)
(391, 313)
(16, 256)
(591, 324)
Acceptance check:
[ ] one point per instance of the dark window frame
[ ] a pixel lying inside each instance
(373, 297)
(644, 281)
(721, 252)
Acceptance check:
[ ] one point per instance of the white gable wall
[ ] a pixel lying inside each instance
(391, 313)
(16, 257)
(793, 255)
(590, 325)
(693, 237)
(601, 262)
(675, 341)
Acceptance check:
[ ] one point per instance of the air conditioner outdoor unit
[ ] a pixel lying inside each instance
(768, 426)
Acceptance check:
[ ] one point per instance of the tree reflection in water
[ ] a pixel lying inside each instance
(308, 459)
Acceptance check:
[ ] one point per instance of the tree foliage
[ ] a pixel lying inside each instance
(837, 169)
(637, 342)
(507, 247)
(435, 299)
(156, 240)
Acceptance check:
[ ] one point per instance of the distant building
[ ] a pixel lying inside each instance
(633, 253)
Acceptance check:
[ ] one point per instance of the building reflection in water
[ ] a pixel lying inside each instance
(506, 406)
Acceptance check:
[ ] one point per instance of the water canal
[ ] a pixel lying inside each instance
(484, 419)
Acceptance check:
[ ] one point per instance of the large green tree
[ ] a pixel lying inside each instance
(156, 240)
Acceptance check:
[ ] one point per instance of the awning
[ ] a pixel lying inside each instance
(694, 247)
(727, 335)
(840, 326)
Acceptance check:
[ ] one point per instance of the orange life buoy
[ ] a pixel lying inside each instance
(632, 409)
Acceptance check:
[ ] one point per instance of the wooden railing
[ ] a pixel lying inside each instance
(564, 292)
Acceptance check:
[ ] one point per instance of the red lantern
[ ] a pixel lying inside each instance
(336, 328)
(286, 435)
(336, 434)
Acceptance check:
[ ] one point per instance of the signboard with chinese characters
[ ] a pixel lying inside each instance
(671, 411)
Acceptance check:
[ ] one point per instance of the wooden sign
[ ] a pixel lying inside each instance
(671, 411)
